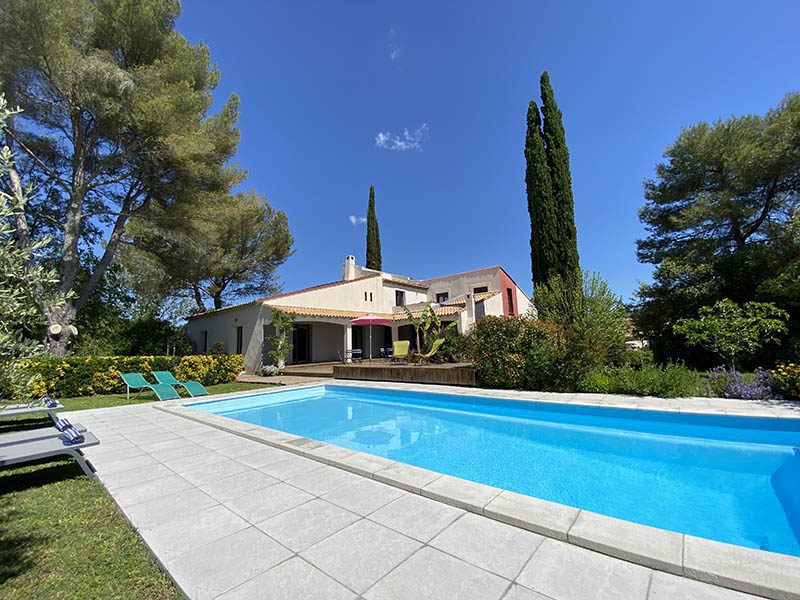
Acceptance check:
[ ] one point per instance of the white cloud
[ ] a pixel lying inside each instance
(394, 51)
(408, 140)
(354, 220)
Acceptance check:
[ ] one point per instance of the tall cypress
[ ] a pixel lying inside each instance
(544, 236)
(373, 235)
(558, 162)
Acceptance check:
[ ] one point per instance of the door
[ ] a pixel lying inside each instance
(301, 344)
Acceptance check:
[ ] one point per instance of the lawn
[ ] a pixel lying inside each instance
(62, 536)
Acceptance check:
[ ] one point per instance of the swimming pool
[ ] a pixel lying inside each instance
(730, 479)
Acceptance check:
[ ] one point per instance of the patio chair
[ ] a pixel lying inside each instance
(18, 410)
(400, 350)
(136, 381)
(437, 343)
(46, 447)
(195, 388)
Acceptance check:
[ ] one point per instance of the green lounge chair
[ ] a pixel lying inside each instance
(195, 388)
(437, 343)
(136, 381)
(400, 350)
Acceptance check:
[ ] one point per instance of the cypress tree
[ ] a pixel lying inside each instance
(558, 162)
(544, 240)
(373, 235)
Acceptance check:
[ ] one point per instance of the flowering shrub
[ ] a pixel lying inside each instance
(785, 380)
(91, 375)
(726, 383)
(671, 381)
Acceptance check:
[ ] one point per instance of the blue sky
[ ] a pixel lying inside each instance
(427, 102)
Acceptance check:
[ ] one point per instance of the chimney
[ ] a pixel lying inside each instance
(470, 304)
(349, 269)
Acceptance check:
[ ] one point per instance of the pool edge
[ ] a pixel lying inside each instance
(743, 569)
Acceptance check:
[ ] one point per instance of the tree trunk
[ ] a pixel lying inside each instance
(61, 332)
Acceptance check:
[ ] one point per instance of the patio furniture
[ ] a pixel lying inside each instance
(136, 381)
(46, 447)
(400, 350)
(195, 388)
(353, 355)
(16, 437)
(437, 343)
(18, 410)
(371, 320)
(386, 353)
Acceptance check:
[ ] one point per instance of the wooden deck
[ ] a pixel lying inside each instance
(446, 374)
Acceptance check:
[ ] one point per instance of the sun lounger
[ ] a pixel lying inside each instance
(38, 449)
(195, 388)
(400, 350)
(437, 343)
(136, 381)
(17, 437)
(20, 410)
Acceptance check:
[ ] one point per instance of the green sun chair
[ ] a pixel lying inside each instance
(400, 350)
(195, 388)
(437, 343)
(136, 381)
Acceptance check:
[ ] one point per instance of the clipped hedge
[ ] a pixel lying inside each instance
(92, 375)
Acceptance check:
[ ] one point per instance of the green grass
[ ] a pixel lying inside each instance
(83, 402)
(62, 536)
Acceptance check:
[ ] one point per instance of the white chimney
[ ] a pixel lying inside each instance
(470, 305)
(349, 269)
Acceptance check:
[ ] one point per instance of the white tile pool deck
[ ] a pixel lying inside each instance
(230, 517)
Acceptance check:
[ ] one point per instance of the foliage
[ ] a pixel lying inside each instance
(227, 247)
(517, 353)
(670, 381)
(116, 121)
(592, 316)
(19, 276)
(89, 375)
(722, 220)
(374, 260)
(731, 330)
(725, 383)
(281, 343)
(785, 380)
(269, 371)
(217, 348)
(554, 246)
(428, 327)
(454, 348)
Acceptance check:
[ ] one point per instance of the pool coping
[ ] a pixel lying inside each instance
(748, 570)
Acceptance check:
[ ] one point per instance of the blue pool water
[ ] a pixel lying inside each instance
(731, 479)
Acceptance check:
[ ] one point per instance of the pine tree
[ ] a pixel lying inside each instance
(558, 162)
(544, 240)
(373, 235)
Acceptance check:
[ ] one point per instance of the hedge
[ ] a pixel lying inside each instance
(91, 375)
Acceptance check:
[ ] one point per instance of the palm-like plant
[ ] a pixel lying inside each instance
(427, 326)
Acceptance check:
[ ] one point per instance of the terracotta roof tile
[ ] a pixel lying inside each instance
(310, 311)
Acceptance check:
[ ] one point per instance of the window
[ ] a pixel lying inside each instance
(481, 290)
(365, 296)
(239, 335)
(370, 296)
(204, 341)
(399, 298)
(442, 297)
(510, 296)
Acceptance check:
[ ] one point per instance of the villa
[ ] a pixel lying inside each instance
(323, 331)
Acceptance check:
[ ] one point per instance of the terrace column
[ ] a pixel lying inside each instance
(348, 342)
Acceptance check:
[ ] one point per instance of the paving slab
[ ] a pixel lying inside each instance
(433, 574)
(239, 484)
(262, 504)
(664, 586)
(496, 547)
(294, 579)
(208, 571)
(540, 516)
(359, 555)
(304, 525)
(363, 496)
(417, 517)
(591, 575)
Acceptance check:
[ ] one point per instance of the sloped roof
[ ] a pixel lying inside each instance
(333, 313)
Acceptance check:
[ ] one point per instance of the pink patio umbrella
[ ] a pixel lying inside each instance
(371, 320)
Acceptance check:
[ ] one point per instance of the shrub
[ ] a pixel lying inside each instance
(785, 380)
(517, 353)
(454, 348)
(666, 382)
(269, 370)
(724, 383)
(90, 375)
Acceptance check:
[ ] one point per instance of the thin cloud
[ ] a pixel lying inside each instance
(354, 220)
(394, 51)
(408, 140)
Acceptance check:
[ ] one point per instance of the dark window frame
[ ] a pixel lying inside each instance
(442, 297)
(204, 337)
(399, 298)
(239, 339)
(480, 289)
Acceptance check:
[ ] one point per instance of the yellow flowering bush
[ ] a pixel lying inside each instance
(91, 375)
(785, 380)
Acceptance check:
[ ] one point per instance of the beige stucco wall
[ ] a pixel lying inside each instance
(344, 296)
(465, 283)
